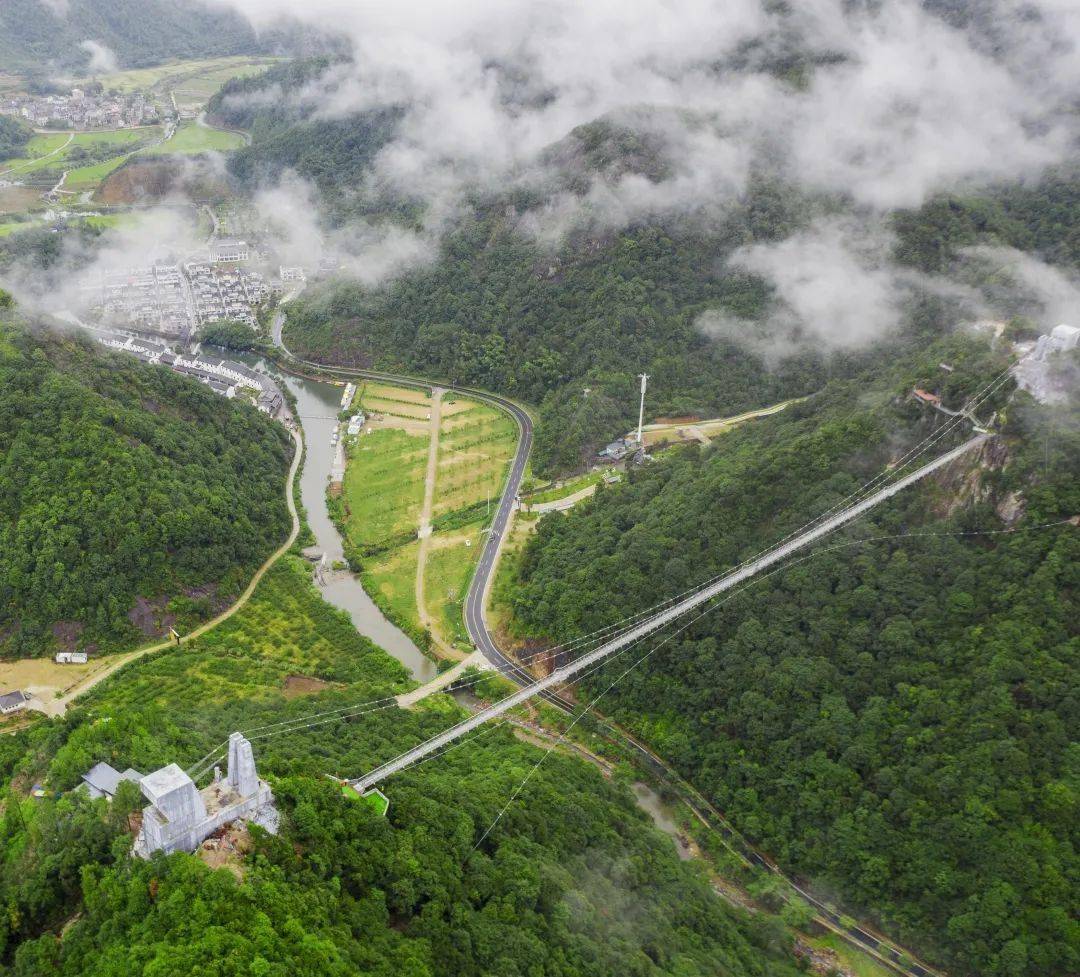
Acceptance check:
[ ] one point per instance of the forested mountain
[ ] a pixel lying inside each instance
(497, 307)
(35, 35)
(333, 153)
(893, 719)
(573, 883)
(130, 498)
(14, 134)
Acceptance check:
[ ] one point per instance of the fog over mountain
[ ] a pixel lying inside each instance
(874, 106)
(882, 102)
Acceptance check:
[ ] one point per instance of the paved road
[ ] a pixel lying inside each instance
(650, 625)
(476, 599)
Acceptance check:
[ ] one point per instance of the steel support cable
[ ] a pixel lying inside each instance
(781, 569)
(845, 503)
(655, 623)
(626, 622)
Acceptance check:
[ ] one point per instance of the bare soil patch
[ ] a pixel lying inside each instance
(226, 849)
(67, 634)
(149, 615)
(298, 685)
(145, 181)
(41, 677)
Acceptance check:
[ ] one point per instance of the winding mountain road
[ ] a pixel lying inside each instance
(59, 705)
(483, 576)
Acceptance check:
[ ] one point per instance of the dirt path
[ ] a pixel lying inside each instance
(557, 505)
(22, 166)
(705, 430)
(424, 532)
(58, 706)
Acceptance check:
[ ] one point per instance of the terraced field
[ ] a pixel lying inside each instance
(40, 146)
(197, 77)
(383, 496)
(476, 444)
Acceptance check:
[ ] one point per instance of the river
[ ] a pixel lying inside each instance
(317, 405)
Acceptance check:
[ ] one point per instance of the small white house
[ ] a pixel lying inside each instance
(71, 658)
(12, 701)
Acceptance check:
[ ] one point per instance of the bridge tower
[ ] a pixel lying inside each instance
(641, 410)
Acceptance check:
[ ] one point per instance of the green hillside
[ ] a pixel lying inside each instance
(129, 497)
(894, 720)
(34, 35)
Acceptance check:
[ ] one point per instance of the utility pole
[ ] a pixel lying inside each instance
(641, 409)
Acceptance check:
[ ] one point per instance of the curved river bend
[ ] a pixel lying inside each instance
(318, 404)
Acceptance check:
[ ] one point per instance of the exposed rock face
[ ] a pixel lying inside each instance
(180, 816)
(1011, 509)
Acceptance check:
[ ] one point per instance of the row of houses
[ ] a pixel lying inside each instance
(225, 377)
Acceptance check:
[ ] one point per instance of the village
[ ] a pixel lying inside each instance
(80, 109)
(173, 298)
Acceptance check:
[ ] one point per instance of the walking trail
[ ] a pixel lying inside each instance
(440, 682)
(58, 706)
(424, 532)
(37, 159)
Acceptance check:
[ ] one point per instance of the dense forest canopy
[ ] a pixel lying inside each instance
(895, 720)
(14, 135)
(573, 883)
(122, 484)
(35, 35)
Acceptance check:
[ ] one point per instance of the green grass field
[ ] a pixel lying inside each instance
(858, 963)
(110, 221)
(84, 177)
(191, 138)
(569, 488)
(446, 580)
(12, 226)
(384, 484)
(392, 575)
(476, 445)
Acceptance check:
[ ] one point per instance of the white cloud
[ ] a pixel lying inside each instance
(102, 60)
(834, 286)
(906, 106)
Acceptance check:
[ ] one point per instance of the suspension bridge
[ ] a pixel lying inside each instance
(658, 620)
